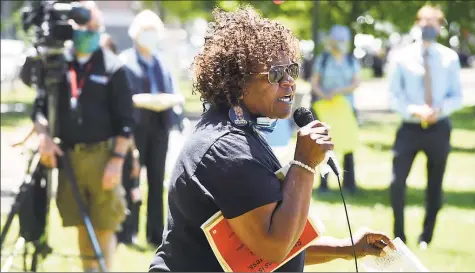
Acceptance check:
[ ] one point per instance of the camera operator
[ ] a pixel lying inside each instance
(94, 120)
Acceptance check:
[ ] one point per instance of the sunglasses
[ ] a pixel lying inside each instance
(277, 72)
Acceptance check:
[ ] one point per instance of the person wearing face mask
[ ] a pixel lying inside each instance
(148, 73)
(336, 72)
(94, 123)
(425, 90)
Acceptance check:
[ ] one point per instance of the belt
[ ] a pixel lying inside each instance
(425, 125)
(90, 147)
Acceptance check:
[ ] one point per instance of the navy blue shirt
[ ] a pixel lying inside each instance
(104, 105)
(221, 168)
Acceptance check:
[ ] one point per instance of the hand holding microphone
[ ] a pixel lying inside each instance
(313, 141)
(313, 132)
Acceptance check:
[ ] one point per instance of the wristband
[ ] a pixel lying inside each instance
(118, 155)
(136, 154)
(300, 164)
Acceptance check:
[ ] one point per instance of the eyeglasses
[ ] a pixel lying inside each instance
(277, 72)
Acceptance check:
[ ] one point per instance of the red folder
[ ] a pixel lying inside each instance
(234, 256)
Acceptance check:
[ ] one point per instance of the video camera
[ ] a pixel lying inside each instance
(51, 19)
(50, 22)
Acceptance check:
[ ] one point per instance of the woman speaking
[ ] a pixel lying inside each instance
(246, 76)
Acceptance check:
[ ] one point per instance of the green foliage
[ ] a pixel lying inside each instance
(298, 14)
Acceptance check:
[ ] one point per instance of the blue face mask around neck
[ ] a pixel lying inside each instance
(241, 117)
(86, 41)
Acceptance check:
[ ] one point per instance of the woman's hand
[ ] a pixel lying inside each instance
(368, 242)
(313, 141)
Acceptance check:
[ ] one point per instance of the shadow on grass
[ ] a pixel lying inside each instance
(371, 197)
(384, 147)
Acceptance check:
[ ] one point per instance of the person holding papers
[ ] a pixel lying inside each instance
(246, 75)
(149, 77)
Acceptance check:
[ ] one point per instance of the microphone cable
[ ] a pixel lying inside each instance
(335, 170)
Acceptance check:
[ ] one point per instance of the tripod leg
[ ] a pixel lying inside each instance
(18, 245)
(87, 221)
(25, 256)
(13, 211)
(8, 223)
(34, 261)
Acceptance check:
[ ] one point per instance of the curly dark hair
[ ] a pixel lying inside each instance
(236, 42)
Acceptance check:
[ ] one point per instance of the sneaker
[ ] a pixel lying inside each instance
(422, 243)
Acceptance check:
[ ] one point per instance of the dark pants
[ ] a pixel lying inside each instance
(348, 174)
(152, 144)
(435, 143)
(130, 226)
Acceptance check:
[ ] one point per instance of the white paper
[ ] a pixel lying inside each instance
(157, 102)
(400, 260)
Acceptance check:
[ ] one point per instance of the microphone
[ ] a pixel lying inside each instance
(302, 117)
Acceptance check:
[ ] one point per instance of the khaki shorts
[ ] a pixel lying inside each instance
(106, 208)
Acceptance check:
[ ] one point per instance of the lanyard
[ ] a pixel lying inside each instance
(76, 87)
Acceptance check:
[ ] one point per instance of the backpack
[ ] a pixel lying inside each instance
(34, 208)
(325, 55)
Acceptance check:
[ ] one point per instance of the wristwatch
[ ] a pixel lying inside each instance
(118, 155)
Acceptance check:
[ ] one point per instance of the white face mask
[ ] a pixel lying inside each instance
(148, 39)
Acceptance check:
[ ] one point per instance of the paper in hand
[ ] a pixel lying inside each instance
(400, 260)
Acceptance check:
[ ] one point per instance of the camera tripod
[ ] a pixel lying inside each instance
(36, 173)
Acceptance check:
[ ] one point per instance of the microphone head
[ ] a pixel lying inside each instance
(303, 116)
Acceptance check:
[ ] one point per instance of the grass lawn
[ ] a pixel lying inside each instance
(453, 247)
(22, 97)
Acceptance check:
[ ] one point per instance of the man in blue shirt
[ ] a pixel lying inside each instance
(336, 71)
(425, 90)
